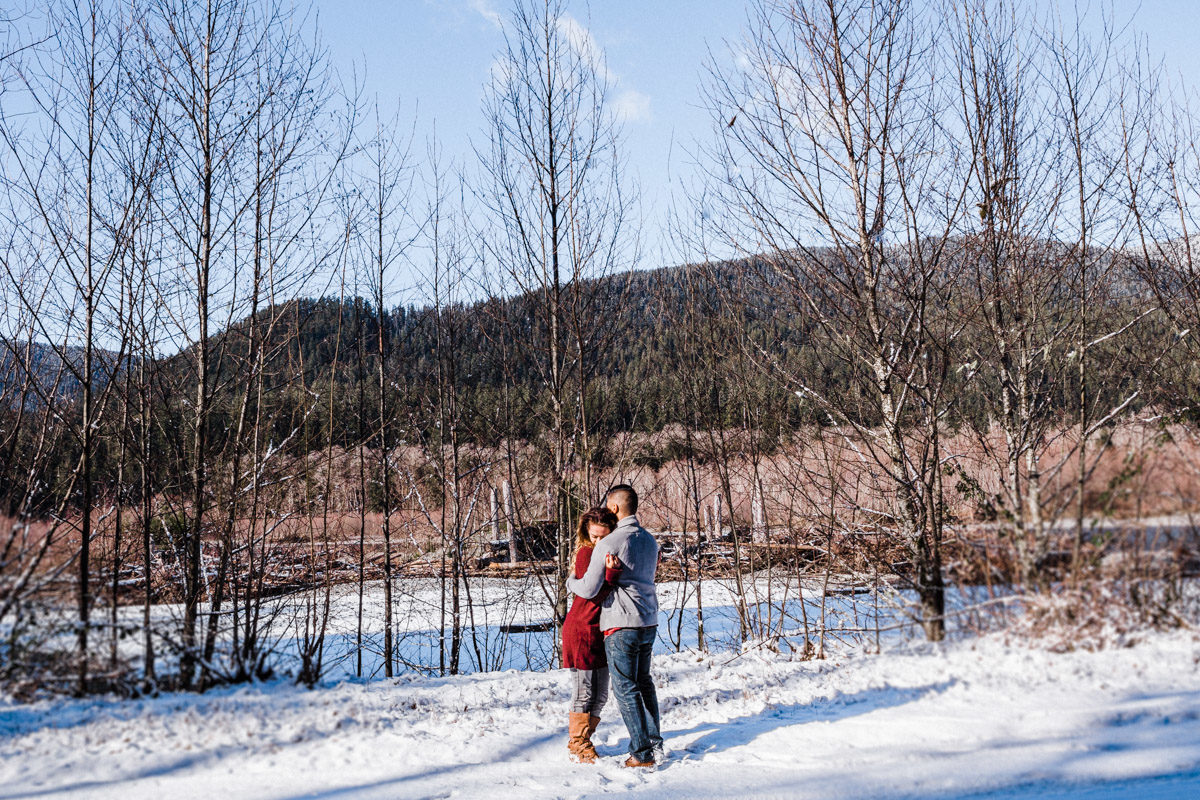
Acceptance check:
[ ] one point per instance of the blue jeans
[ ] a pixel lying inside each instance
(628, 651)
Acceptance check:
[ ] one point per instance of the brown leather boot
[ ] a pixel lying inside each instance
(593, 723)
(580, 739)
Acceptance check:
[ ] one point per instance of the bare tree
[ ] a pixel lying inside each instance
(558, 199)
(251, 163)
(387, 178)
(1042, 258)
(444, 451)
(1019, 333)
(828, 138)
(85, 198)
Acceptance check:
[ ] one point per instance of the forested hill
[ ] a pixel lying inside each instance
(41, 373)
(659, 347)
(656, 349)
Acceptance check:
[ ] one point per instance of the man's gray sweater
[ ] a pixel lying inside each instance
(632, 603)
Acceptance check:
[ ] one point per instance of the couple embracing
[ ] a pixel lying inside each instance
(609, 631)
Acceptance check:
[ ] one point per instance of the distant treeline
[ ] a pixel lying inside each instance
(671, 354)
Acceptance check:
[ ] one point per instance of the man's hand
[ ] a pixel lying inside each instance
(612, 562)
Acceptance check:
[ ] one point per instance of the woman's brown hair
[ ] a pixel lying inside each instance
(593, 516)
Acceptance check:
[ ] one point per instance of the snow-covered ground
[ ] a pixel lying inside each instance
(776, 605)
(978, 717)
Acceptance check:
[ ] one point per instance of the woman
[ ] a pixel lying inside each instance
(583, 643)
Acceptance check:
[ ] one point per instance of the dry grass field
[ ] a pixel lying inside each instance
(821, 495)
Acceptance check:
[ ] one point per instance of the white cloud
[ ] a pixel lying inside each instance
(629, 105)
(632, 106)
(583, 43)
(488, 11)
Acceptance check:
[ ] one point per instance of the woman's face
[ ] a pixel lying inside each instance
(596, 531)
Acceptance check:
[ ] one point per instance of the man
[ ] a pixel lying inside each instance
(629, 619)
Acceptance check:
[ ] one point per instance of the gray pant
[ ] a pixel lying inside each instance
(591, 690)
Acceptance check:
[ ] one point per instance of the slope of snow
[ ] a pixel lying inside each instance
(977, 717)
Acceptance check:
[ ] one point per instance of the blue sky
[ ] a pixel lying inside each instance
(433, 57)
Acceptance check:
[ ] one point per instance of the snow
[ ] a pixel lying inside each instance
(774, 605)
(977, 717)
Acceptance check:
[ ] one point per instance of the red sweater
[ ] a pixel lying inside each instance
(583, 643)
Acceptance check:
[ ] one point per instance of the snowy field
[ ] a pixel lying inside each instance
(976, 717)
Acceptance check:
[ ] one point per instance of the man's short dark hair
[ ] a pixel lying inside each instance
(624, 496)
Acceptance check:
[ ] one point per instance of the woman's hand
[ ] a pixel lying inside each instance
(612, 562)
